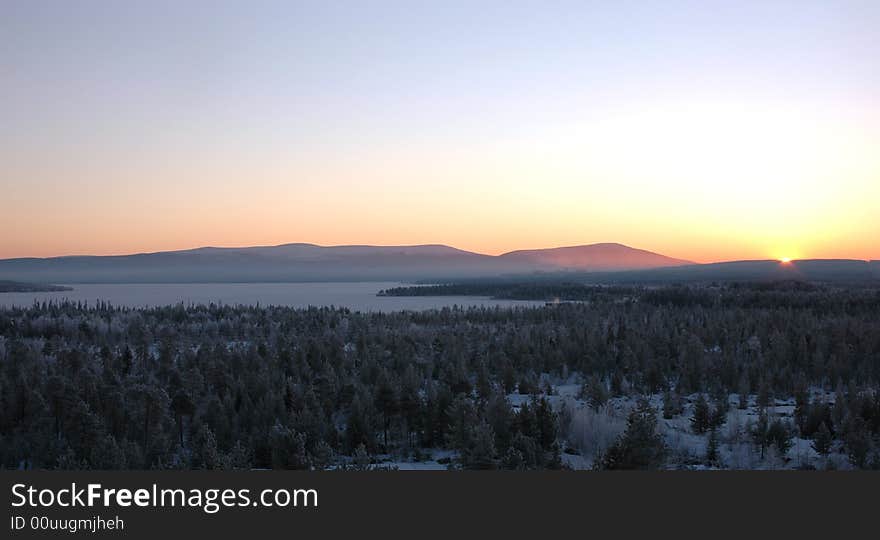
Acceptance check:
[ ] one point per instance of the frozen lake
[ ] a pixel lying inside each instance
(356, 296)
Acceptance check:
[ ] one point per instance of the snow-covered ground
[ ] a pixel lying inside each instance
(591, 432)
(428, 463)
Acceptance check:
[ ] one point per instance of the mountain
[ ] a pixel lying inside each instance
(309, 262)
(594, 257)
(596, 263)
(289, 262)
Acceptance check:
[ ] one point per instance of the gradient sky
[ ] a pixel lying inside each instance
(699, 129)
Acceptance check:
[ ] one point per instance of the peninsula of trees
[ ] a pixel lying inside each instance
(18, 286)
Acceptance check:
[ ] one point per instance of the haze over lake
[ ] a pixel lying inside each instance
(359, 296)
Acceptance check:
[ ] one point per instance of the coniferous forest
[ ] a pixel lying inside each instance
(782, 375)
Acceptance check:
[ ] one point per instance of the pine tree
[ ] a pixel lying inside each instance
(554, 461)
(481, 452)
(743, 391)
(857, 441)
(640, 447)
(701, 421)
(779, 435)
(712, 448)
(547, 423)
(288, 448)
(386, 401)
(358, 429)
(719, 413)
(668, 407)
(764, 397)
(204, 449)
(238, 458)
(822, 440)
(182, 406)
(595, 393)
(462, 418)
(759, 432)
(802, 405)
(361, 458)
(500, 416)
(513, 460)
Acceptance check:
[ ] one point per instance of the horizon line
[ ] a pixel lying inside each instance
(435, 244)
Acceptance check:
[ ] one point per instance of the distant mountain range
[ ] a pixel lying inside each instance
(606, 262)
(309, 262)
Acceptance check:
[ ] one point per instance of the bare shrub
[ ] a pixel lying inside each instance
(593, 431)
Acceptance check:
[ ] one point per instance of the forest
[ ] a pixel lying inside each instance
(859, 296)
(779, 375)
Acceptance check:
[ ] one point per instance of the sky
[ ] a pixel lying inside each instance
(704, 130)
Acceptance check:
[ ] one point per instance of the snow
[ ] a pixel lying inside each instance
(427, 465)
(592, 431)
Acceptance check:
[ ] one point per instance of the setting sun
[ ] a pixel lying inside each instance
(785, 260)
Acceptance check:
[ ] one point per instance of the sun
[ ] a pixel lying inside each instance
(785, 260)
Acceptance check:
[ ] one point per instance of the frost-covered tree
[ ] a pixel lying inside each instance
(640, 447)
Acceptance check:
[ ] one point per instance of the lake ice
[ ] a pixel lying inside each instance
(360, 296)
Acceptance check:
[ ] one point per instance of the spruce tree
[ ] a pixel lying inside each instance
(802, 405)
(547, 423)
(712, 448)
(764, 398)
(719, 414)
(759, 432)
(743, 392)
(640, 447)
(701, 421)
(857, 441)
(480, 454)
(595, 393)
(822, 440)
(779, 435)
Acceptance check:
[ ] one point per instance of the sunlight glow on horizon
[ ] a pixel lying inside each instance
(741, 130)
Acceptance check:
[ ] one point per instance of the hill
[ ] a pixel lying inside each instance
(594, 257)
(310, 262)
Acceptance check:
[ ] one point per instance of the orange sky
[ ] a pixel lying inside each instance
(695, 132)
(720, 184)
